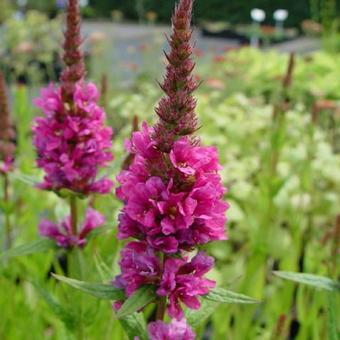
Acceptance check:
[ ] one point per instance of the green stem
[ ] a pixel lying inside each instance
(336, 247)
(161, 307)
(161, 302)
(75, 260)
(7, 217)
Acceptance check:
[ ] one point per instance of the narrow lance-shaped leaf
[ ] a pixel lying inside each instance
(98, 290)
(210, 302)
(62, 313)
(196, 317)
(38, 246)
(310, 279)
(332, 323)
(227, 296)
(27, 179)
(139, 299)
(134, 326)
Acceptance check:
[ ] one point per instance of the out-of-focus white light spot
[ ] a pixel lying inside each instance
(258, 14)
(84, 3)
(280, 15)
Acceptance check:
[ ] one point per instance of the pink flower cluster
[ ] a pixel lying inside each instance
(174, 200)
(62, 232)
(176, 330)
(6, 165)
(183, 281)
(141, 266)
(72, 142)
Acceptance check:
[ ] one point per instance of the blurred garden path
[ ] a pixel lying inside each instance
(137, 33)
(132, 50)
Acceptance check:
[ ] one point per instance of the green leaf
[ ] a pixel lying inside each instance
(27, 179)
(98, 290)
(62, 313)
(332, 318)
(134, 325)
(38, 246)
(210, 302)
(196, 317)
(7, 207)
(227, 296)
(310, 279)
(97, 231)
(103, 269)
(66, 193)
(139, 299)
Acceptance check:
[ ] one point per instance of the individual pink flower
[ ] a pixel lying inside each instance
(190, 160)
(176, 330)
(62, 232)
(139, 266)
(183, 282)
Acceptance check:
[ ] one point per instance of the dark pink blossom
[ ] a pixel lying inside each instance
(139, 265)
(62, 232)
(6, 165)
(176, 330)
(183, 282)
(180, 207)
(189, 160)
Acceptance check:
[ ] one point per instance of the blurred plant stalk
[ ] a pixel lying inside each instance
(260, 259)
(7, 147)
(8, 227)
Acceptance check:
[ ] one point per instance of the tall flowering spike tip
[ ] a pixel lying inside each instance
(73, 57)
(7, 132)
(176, 110)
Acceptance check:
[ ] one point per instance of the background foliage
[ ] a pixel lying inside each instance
(234, 11)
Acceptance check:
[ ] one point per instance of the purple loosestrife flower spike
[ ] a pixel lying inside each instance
(7, 132)
(72, 140)
(73, 56)
(176, 110)
(173, 197)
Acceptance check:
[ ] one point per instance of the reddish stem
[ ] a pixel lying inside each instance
(74, 213)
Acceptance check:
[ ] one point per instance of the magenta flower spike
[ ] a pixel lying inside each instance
(71, 140)
(7, 132)
(173, 197)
